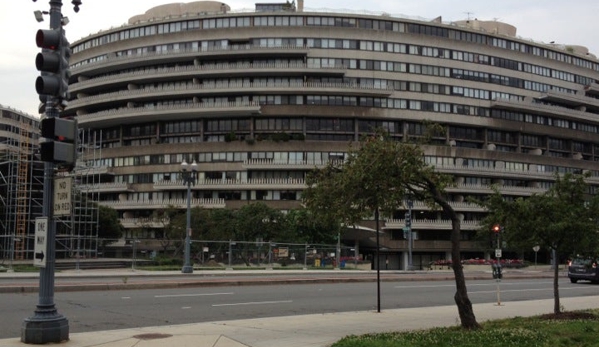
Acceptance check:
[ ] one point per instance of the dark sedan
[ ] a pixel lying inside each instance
(585, 269)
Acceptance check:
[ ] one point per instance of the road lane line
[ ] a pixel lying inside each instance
(471, 285)
(254, 303)
(189, 295)
(523, 290)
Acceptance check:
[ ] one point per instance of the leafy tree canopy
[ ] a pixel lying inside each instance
(109, 226)
(563, 219)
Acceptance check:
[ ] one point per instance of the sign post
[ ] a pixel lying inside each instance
(536, 249)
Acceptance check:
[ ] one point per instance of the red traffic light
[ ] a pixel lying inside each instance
(496, 228)
(48, 38)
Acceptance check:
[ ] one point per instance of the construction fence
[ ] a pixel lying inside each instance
(211, 253)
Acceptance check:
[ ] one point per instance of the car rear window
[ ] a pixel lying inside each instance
(583, 261)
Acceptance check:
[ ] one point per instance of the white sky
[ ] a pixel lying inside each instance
(565, 22)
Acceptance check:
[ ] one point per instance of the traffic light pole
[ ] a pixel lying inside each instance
(47, 325)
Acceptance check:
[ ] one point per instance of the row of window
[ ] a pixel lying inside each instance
(431, 70)
(424, 29)
(376, 46)
(430, 106)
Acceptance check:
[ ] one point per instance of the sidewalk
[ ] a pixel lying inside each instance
(308, 330)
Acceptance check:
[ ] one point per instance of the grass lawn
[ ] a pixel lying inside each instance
(569, 329)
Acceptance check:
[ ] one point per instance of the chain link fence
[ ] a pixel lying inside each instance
(233, 254)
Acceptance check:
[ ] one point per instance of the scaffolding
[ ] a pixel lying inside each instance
(22, 192)
(21, 183)
(77, 234)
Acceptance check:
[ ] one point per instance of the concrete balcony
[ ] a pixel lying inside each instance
(121, 116)
(220, 89)
(430, 224)
(592, 88)
(457, 206)
(158, 204)
(139, 222)
(91, 170)
(493, 172)
(251, 184)
(205, 71)
(434, 245)
(124, 62)
(580, 101)
(486, 189)
(112, 187)
(542, 109)
(272, 164)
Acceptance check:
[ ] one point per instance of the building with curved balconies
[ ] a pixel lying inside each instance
(259, 98)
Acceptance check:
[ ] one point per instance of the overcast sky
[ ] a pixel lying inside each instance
(565, 22)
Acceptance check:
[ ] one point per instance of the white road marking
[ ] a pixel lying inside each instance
(126, 297)
(523, 290)
(472, 285)
(254, 303)
(185, 307)
(189, 295)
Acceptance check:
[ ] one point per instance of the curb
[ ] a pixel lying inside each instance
(203, 282)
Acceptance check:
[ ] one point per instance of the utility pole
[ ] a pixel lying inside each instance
(57, 146)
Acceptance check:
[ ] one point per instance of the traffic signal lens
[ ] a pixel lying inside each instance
(49, 39)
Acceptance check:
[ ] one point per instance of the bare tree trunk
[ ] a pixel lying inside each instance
(467, 317)
(556, 303)
(464, 304)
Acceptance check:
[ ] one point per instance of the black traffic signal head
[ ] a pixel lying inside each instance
(58, 143)
(53, 62)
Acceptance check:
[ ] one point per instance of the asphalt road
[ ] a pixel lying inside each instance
(118, 309)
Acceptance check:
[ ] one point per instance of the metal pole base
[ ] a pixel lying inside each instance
(41, 331)
(187, 269)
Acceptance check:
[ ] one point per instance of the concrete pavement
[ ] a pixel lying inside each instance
(307, 330)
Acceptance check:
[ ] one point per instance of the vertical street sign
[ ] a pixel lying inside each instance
(62, 196)
(40, 248)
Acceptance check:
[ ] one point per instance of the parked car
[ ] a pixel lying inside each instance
(585, 269)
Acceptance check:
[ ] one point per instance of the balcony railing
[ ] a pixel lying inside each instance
(212, 184)
(146, 222)
(131, 77)
(215, 88)
(154, 110)
(435, 224)
(287, 164)
(487, 189)
(191, 52)
(105, 187)
(572, 99)
(156, 204)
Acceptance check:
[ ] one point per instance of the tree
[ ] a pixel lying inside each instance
(166, 217)
(305, 227)
(378, 176)
(563, 219)
(257, 221)
(109, 226)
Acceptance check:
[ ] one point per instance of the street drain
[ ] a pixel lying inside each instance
(152, 336)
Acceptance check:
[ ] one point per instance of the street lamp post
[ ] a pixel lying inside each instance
(189, 176)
